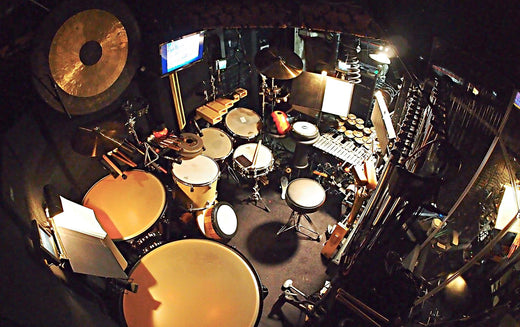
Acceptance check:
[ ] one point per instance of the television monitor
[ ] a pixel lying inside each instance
(181, 52)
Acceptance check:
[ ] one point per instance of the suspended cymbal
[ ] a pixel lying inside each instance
(88, 53)
(278, 63)
(98, 140)
(85, 55)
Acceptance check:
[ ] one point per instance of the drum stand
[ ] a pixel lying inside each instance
(294, 222)
(256, 196)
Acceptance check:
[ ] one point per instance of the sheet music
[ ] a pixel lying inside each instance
(338, 97)
(79, 218)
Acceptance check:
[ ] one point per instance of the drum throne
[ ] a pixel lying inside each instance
(304, 196)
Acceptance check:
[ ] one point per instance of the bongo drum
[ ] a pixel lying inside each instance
(193, 282)
(196, 180)
(126, 208)
(243, 123)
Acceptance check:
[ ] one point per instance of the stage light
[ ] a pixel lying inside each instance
(380, 57)
(52, 201)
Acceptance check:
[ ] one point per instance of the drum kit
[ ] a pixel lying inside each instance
(131, 204)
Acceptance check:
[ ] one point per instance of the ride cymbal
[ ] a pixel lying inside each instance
(278, 63)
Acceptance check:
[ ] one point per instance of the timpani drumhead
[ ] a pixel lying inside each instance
(217, 144)
(197, 171)
(243, 122)
(193, 282)
(125, 208)
(263, 160)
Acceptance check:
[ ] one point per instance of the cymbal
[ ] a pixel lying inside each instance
(98, 140)
(88, 53)
(191, 145)
(69, 71)
(278, 63)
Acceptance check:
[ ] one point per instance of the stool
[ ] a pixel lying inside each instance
(303, 196)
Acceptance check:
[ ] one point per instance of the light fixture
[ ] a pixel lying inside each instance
(380, 57)
(52, 201)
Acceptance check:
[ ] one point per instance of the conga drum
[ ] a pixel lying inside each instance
(196, 180)
(193, 283)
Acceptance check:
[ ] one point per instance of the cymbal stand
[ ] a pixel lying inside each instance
(264, 90)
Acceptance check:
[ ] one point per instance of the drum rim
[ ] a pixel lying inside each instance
(237, 252)
(176, 179)
(268, 167)
(230, 142)
(215, 225)
(291, 202)
(141, 231)
(236, 135)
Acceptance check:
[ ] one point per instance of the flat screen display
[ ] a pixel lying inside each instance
(180, 53)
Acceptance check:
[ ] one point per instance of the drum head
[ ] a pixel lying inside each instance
(243, 122)
(305, 130)
(224, 219)
(306, 193)
(193, 282)
(217, 144)
(127, 207)
(198, 171)
(264, 159)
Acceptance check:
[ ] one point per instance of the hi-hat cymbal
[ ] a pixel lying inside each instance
(278, 63)
(88, 53)
(98, 140)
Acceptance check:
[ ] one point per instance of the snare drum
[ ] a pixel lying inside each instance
(243, 123)
(126, 208)
(217, 144)
(193, 282)
(264, 161)
(218, 222)
(196, 179)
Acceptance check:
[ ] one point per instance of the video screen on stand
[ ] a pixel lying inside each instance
(182, 52)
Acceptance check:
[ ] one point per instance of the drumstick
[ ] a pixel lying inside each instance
(113, 165)
(255, 155)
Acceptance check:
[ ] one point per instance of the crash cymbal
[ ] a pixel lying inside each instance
(278, 63)
(88, 53)
(98, 140)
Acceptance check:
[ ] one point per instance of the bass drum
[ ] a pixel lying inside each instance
(193, 282)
